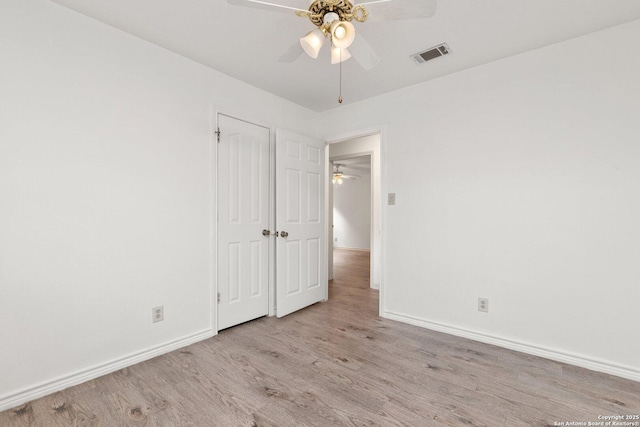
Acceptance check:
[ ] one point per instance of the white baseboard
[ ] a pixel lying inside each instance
(559, 356)
(26, 395)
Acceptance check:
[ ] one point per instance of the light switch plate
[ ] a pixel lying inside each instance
(391, 199)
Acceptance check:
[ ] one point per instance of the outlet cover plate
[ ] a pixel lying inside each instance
(483, 305)
(157, 314)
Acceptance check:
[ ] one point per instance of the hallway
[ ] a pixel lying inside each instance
(351, 280)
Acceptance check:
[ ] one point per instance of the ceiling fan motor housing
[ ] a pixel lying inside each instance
(319, 8)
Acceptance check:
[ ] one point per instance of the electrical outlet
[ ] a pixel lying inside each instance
(157, 314)
(391, 198)
(335, 240)
(483, 305)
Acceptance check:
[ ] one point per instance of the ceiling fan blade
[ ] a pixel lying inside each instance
(339, 174)
(292, 53)
(358, 168)
(274, 7)
(364, 53)
(365, 3)
(400, 9)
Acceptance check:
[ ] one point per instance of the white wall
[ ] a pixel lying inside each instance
(352, 213)
(105, 195)
(517, 181)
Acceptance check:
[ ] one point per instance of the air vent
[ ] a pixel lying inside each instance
(432, 53)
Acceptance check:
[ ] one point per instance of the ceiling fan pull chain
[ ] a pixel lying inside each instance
(340, 65)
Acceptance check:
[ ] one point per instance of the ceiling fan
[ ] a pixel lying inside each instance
(333, 20)
(338, 175)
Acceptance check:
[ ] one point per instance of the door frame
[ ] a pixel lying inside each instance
(372, 207)
(214, 208)
(342, 137)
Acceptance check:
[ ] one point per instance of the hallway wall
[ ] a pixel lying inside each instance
(352, 213)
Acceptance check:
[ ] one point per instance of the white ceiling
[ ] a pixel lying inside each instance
(246, 43)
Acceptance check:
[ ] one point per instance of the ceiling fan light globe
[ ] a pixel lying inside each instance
(328, 18)
(342, 34)
(312, 42)
(339, 55)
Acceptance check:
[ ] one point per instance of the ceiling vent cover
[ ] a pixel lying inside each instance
(431, 53)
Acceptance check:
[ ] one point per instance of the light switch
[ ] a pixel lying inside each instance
(391, 199)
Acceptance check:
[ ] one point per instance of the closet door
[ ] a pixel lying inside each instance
(243, 214)
(300, 222)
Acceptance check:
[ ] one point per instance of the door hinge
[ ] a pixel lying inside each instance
(218, 297)
(217, 132)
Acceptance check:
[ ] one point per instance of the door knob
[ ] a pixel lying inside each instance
(266, 233)
(283, 234)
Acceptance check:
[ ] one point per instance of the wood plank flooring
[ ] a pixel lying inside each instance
(337, 364)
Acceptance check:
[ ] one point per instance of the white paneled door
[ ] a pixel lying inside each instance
(300, 204)
(243, 214)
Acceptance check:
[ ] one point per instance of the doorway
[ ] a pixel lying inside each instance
(358, 157)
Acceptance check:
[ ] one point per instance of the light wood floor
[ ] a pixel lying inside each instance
(337, 363)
